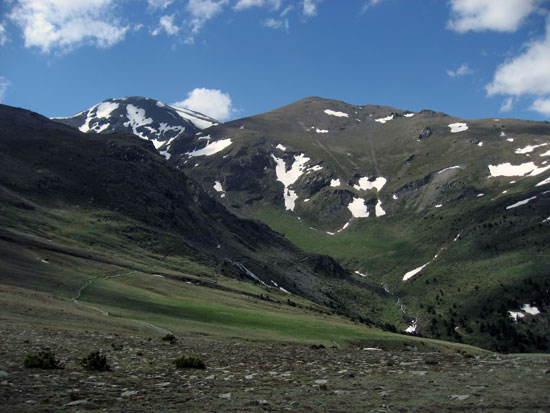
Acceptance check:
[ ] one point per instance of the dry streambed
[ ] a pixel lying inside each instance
(246, 376)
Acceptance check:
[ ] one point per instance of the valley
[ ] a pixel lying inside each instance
(308, 271)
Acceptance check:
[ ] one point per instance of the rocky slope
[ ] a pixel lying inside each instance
(49, 167)
(406, 199)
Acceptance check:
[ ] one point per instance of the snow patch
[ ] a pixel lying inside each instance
(219, 188)
(516, 315)
(335, 182)
(507, 169)
(480, 144)
(546, 181)
(361, 274)
(211, 148)
(439, 205)
(480, 195)
(449, 168)
(167, 155)
(321, 130)
(409, 115)
(530, 310)
(458, 127)
(104, 109)
(547, 153)
(379, 210)
(193, 117)
(520, 203)
(526, 309)
(358, 208)
(289, 177)
(337, 114)
(412, 273)
(384, 120)
(394, 196)
(136, 118)
(281, 147)
(365, 183)
(529, 148)
(412, 328)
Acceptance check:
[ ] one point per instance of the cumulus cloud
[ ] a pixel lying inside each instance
(542, 105)
(4, 85)
(498, 15)
(528, 73)
(66, 24)
(210, 102)
(166, 24)
(245, 4)
(463, 70)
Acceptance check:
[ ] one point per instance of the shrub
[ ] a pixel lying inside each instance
(170, 338)
(95, 361)
(43, 360)
(189, 363)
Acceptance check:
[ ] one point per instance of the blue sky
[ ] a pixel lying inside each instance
(236, 58)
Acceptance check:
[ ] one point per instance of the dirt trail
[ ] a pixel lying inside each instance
(87, 283)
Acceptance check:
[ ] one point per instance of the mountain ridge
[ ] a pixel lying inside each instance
(398, 197)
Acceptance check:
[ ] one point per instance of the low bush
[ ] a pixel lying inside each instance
(44, 360)
(189, 363)
(95, 361)
(170, 338)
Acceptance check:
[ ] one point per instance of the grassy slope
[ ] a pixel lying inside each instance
(47, 265)
(502, 252)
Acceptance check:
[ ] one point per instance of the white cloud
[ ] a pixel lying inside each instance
(287, 10)
(202, 11)
(463, 70)
(528, 73)
(66, 24)
(3, 35)
(4, 84)
(210, 102)
(309, 7)
(368, 4)
(245, 4)
(507, 105)
(159, 4)
(542, 105)
(498, 15)
(277, 24)
(167, 25)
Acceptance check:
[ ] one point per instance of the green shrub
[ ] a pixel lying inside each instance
(170, 338)
(43, 360)
(95, 361)
(189, 363)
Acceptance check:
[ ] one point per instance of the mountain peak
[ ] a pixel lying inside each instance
(147, 118)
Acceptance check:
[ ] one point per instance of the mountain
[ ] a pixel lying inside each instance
(147, 118)
(449, 215)
(113, 199)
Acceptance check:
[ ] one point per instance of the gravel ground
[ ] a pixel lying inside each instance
(248, 376)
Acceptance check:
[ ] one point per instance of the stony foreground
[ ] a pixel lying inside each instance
(246, 376)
